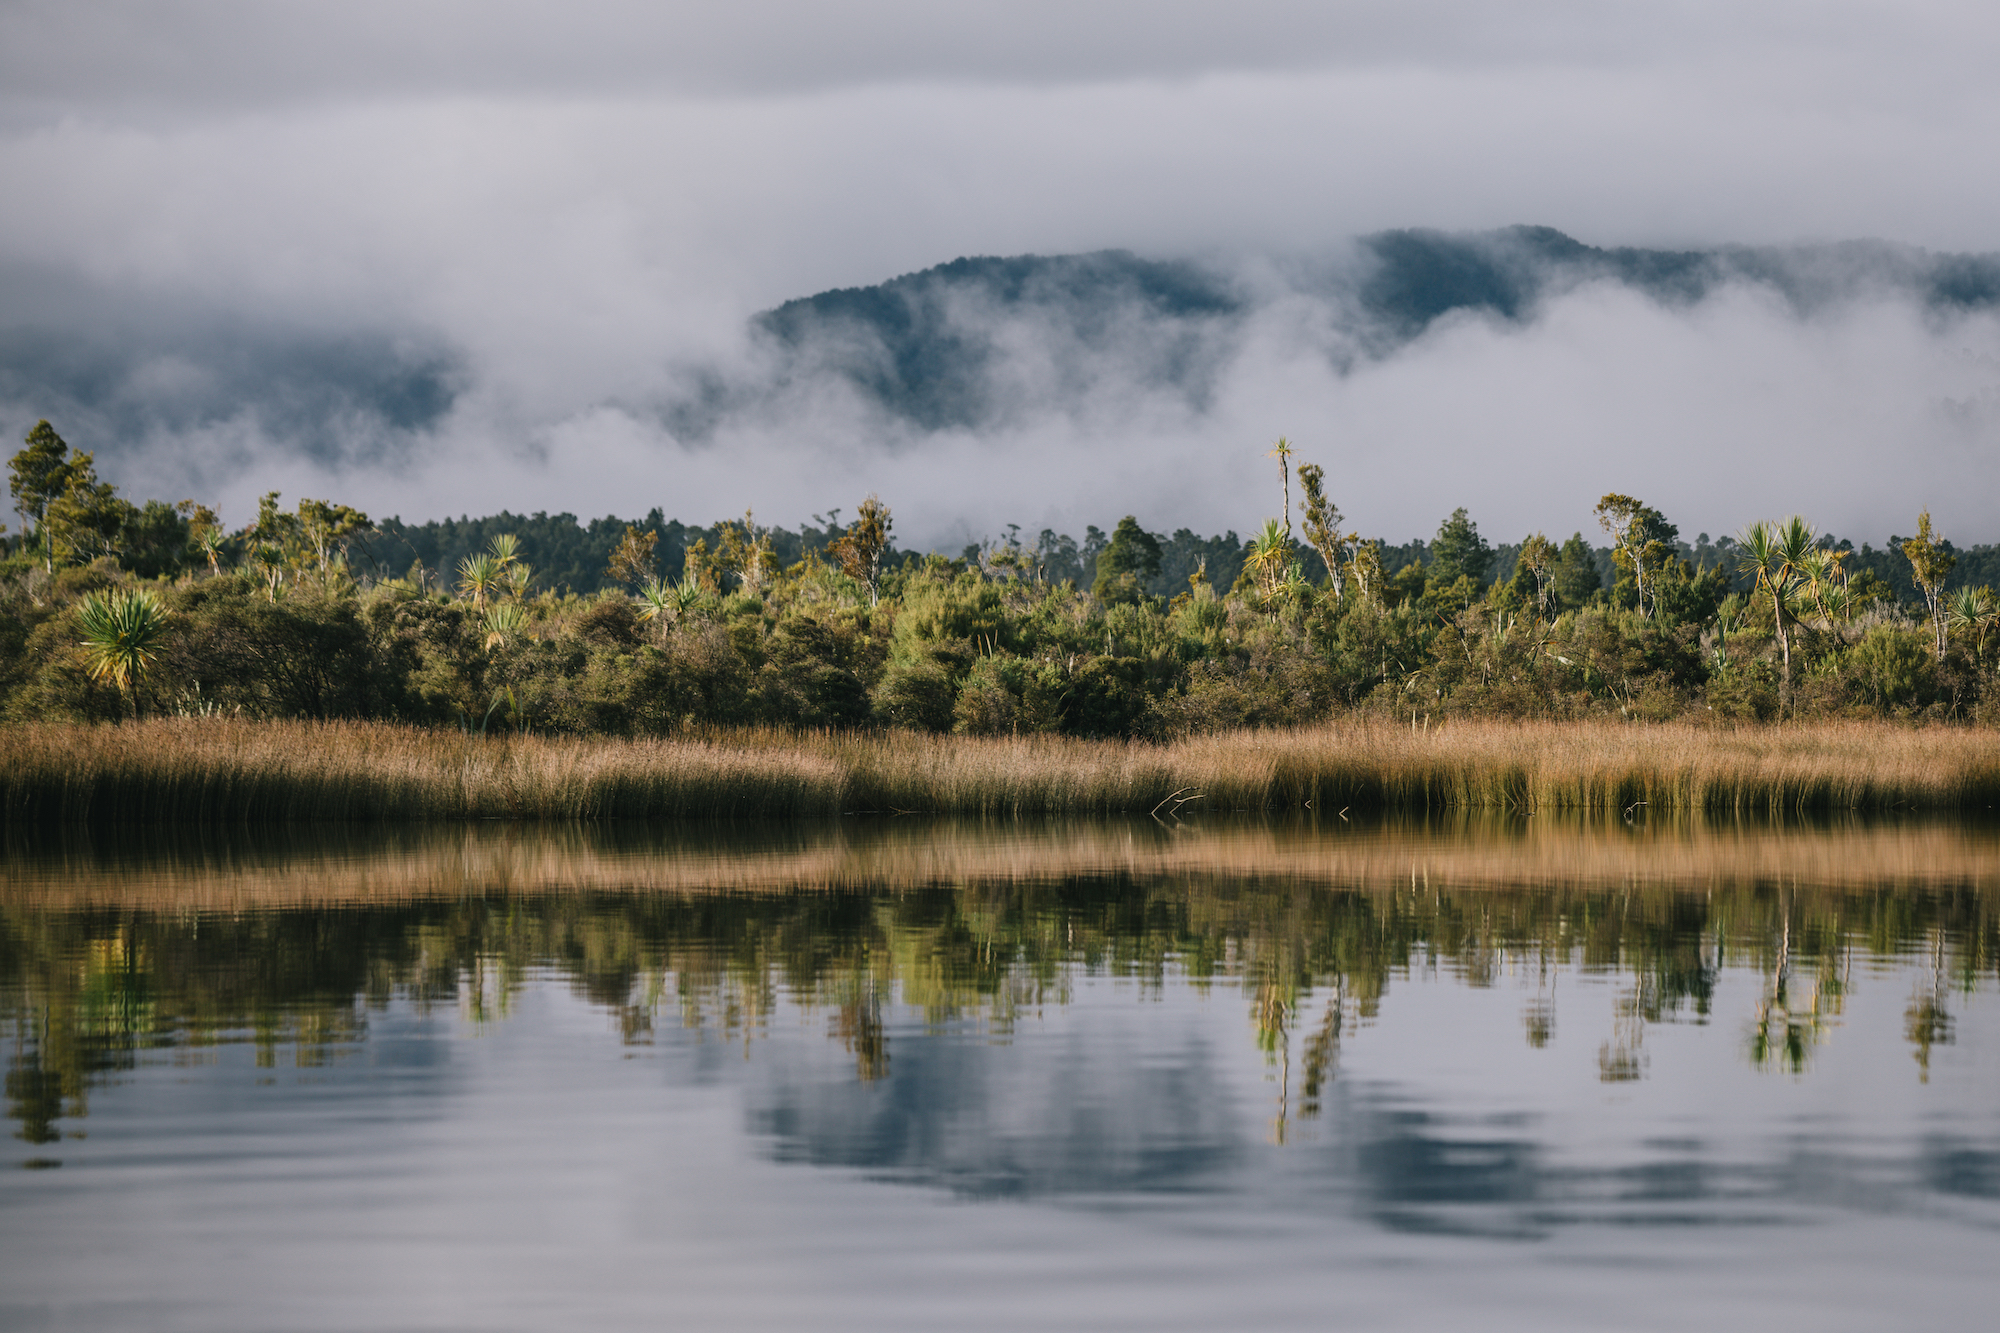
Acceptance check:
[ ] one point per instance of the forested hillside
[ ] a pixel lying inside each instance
(932, 349)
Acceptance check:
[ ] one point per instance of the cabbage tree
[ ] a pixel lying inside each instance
(122, 634)
(1779, 556)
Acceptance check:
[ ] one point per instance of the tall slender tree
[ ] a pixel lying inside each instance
(1538, 556)
(1322, 524)
(1777, 555)
(1930, 561)
(1282, 451)
(1641, 540)
(860, 551)
(38, 474)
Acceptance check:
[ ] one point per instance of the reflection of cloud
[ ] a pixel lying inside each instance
(1114, 1108)
(1086, 1113)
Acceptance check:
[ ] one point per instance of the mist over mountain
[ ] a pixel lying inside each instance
(984, 343)
(1520, 372)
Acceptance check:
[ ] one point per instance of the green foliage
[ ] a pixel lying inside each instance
(1930, 564)
(1577, 582)
(37, 475)
(1641, 542)
(1892, 668)
(1683, 595)
(1170, 641)
(1132, 557)
(918, 695)
(122, 634)
(1459, 551)
(158, 539)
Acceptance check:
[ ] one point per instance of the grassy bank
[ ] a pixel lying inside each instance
(196, 771)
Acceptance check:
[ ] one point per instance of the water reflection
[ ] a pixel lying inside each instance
(922, 956)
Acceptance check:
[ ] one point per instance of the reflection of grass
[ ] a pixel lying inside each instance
(225, 770)
(165, 868)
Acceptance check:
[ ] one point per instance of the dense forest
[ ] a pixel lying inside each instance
(110, 609)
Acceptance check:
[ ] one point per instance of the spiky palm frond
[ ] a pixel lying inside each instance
(1779, 554)
(1970, 608)
(1269, 553)
(505, 621)
(688, 596)
(505, 548)
(478, 575)
(656, 599)
(1796, 540)
(122, 634)
(1757, 545)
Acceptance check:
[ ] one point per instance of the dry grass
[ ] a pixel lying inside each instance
(219, 771)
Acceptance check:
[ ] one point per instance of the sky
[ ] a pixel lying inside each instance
(437, 257)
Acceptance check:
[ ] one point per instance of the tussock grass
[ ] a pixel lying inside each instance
(224, 771)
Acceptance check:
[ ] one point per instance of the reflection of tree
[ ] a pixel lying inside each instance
(1927, 1023)
(1322, 1056)
(35, 1097)
(1783, 1030)
(858, 1025)
(88, 992)
(1273, 1010)
(1623, 1059)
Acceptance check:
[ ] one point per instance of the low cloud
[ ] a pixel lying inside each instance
(452, 258)
(1855, 384)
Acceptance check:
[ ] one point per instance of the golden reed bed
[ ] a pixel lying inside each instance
(164, 871)
(225, 771)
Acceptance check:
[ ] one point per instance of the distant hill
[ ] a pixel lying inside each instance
(978, 342)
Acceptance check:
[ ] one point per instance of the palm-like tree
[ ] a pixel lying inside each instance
(1282, 451)
(1973, 612)
(656, 602)
(1827, 582)
(1268, 555)
(516, 579)
(506, 548)
(1292, 584)
(665, 603)
(478, 575)
(505, 621)
(1780, 555)
(122, 634)
(687, 597)
(271, 563)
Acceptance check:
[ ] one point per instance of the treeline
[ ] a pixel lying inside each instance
(540, 623)
(571, 555)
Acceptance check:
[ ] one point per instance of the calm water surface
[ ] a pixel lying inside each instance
(1068, 1075)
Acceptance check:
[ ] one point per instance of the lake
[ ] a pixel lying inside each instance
(890, 1074)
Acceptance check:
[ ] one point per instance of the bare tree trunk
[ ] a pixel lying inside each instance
(1785, 652)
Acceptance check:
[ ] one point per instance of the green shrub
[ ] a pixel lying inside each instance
(1891, 667)
(918, 696)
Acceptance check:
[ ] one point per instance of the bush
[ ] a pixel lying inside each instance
(1892, 667)
(985, 706)
(918, 696)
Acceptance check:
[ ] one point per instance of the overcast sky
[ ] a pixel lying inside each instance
(434, 258)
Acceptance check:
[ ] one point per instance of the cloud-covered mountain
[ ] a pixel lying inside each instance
(1520, 372)
(987, 343)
